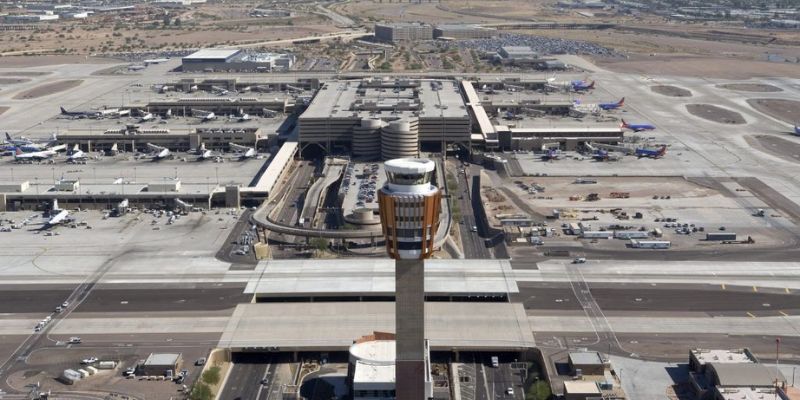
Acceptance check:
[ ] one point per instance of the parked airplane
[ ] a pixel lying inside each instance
(114, 150)
(158, 153)
(34, 155)
(243, 152)
(637, 127)
(582, 86)
(57, 216)
(203, 153)
(797, 130)
(146, 117)
(651, 153)
(219, 91)
(28, 145)
(76, 155)
(511, 116)
(550, 154)
(205, 116)
(612, 106)
(80, 114)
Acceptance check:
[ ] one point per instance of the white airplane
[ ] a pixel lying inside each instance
(158, 152)
(243, 152)
(76, 155)
(37, 155)
(146, 117)
(165, 88)
(168, 114)
(219, 91)
(114, 150)
(57, 215)
(205, 116)
(203, 153)
(193, 88)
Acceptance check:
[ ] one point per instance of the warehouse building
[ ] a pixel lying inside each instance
(235, 60)
(461, 31)
(403, 32)
(159, 363)
(386, 119)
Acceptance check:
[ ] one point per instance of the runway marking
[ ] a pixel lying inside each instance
(723, 286)
(750, 314)
(783, 313)
(755, 289)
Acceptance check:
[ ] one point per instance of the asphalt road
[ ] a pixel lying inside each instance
(473, 244)
(293, 205)
(711, 299)
(244, 381)
(32, 298)
(199, 298)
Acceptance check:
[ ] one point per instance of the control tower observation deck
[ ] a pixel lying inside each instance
(409, 206)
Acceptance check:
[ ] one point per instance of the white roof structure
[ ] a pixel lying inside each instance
(208, 54)
(375, 361)
(409, 165)
(333, 325)
(364, 277)
(704, 356)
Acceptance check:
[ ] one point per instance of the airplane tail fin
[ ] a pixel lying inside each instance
(591, 85)
(75, 148)
(63, 111)
(663, 150)
(624, 124)
(9, 136)
(621, 101)
(55, 204)
(17, 151)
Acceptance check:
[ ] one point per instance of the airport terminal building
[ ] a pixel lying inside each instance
(384, 119)
(235, 60)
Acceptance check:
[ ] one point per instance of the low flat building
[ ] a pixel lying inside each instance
(517, 52)
(568, 138)
(372, 366)
(587, 363)
(699, 358)
(160, 363)
(133, 138)
(581, 390)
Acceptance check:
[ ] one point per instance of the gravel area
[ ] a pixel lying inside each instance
(672, 91)
(48, 89)
(785, 110)
(715, 114)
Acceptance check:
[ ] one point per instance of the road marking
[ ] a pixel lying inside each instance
(755, 289)
(723, 286)
(751, 314)
(783, 313)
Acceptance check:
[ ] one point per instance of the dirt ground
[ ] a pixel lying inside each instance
(785, 110)
(702, 67)
(3, 109)
(751, 87)
(777, 146)
(24, 73)
(38, 61)
(672, 91)
(48, 89)
(10, 81)
(716, 114)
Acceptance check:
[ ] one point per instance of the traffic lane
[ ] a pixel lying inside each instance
(202, 298)
(713, 300)
(244, 381)
(546, 296)
(22, 299)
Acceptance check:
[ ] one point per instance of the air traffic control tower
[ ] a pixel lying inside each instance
(409, 209)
